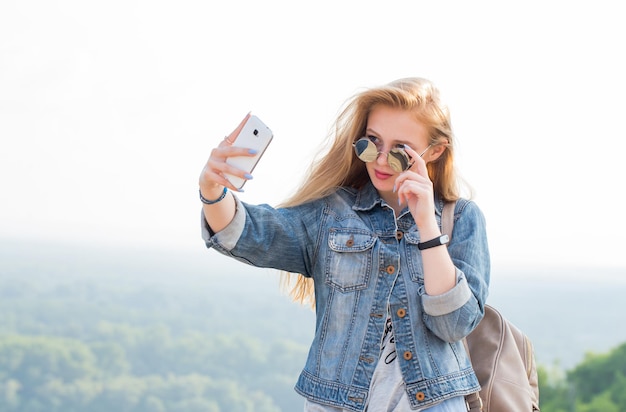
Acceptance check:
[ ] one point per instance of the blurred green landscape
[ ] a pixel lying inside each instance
(99, 329)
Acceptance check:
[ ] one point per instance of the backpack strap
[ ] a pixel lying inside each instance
(447, 219)
(473, 401)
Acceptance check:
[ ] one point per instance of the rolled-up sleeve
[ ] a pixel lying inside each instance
(455, 298)
(226, 239)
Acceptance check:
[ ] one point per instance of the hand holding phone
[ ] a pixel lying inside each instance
(254, 135)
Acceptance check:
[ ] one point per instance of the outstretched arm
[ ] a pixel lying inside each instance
(219, 204)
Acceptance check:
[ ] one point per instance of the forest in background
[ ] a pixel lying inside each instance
(85, 329)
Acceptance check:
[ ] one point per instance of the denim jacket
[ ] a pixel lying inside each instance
(366, 265)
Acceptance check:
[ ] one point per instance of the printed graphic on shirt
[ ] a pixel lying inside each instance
(388, 346)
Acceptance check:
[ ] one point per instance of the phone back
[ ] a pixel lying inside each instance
(254, 135)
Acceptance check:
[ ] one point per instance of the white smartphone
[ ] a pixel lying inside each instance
(254, 135)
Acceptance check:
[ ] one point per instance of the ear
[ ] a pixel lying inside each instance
(434, 153)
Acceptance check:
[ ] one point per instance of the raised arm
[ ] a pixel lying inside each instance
(218, 202)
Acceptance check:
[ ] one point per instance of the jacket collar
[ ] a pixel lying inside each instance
(368, 197)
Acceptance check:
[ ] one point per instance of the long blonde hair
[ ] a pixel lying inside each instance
(339, 167)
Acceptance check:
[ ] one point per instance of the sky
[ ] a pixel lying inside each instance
(108, 111)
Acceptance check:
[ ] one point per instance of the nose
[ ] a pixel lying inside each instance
(382, 160)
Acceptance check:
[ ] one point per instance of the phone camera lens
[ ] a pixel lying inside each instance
(256, 132)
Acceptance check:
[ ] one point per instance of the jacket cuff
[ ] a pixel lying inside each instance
(449, 301)
(227, 238)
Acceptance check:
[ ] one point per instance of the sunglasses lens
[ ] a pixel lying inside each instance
(366, 150)
(398, 160)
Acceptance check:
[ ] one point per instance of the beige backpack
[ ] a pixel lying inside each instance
(502, 358)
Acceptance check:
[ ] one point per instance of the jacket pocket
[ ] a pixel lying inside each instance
(414, 257)
(349, 259)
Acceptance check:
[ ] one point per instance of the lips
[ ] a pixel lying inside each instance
(382, 176)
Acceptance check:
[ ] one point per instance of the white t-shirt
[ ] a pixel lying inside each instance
(387, 391)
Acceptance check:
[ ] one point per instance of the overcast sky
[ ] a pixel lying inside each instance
(108, 110)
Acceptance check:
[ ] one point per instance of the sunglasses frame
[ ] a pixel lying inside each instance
(394, 156)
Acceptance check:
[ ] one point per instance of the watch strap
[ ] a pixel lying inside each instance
(438, 241)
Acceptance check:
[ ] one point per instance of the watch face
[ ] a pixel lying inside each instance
(444, 239)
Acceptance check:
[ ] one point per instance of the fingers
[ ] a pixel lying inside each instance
(417, 193)
(409, 189)
(419, 165)
(414, 183)
(230, 139)
(216, 168)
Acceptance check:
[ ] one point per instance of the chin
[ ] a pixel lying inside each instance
(382, 184)
(385, 186)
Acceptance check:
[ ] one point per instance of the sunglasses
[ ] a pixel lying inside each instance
(397, 158)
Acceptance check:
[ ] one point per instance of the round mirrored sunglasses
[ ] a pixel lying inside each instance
(397, 158)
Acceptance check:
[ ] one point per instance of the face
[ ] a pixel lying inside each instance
(391, 128)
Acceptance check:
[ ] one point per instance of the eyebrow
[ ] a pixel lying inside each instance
(374, 132)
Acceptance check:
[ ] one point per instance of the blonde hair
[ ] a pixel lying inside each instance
(339, 166)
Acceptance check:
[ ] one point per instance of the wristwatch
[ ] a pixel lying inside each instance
(438, 241)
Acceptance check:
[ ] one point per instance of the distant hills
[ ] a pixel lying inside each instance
(565, 311)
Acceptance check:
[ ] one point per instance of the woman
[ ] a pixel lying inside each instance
(362, 234)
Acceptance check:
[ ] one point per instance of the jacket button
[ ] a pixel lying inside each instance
(401, 312)
(420, 396)
(408, 355)
(391, 269)
(399, 235)
(350, 242)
